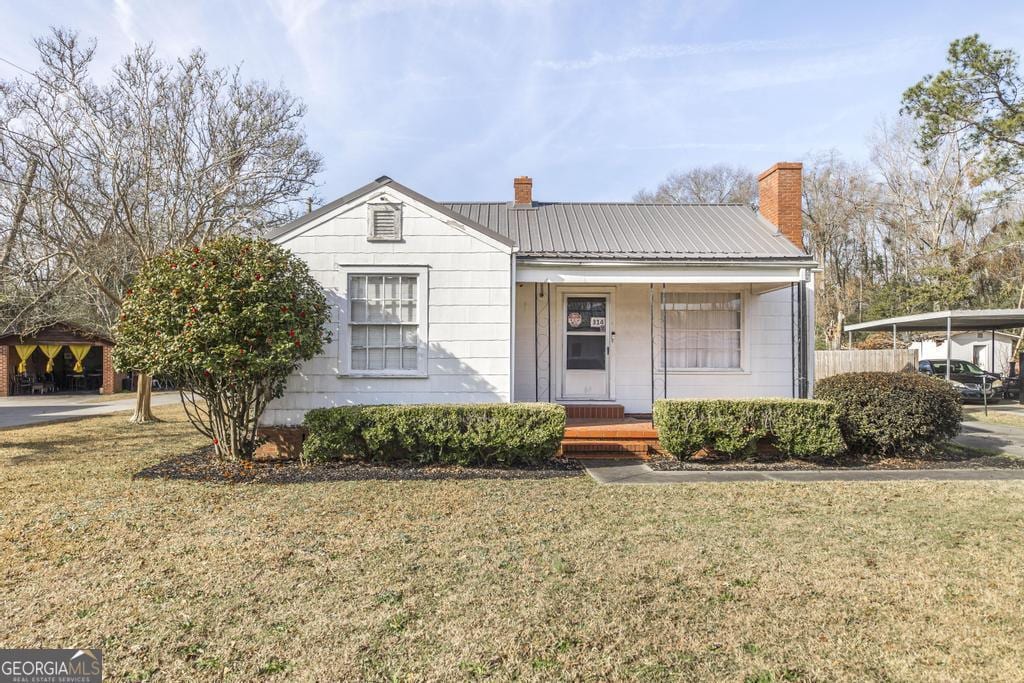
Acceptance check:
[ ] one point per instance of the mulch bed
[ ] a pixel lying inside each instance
(202, 465)
(952, 457)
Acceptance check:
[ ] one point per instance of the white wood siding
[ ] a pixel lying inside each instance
(469, 311)
(767, 348)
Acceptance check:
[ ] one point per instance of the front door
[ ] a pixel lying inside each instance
(586, 349)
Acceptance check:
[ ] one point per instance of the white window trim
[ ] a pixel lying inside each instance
(374, 207)
(422, 370)
(744, 368)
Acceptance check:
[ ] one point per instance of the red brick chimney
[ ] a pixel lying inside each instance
(780, 200)
(523, 190)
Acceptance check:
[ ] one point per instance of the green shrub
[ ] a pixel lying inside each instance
(472, 434)
(886, 413)
(796, 427)
(230, 321)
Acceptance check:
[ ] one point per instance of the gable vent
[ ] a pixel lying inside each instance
(385, 222)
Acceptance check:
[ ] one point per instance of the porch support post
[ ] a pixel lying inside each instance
(992, 353)
(547, 294)
(650, 301)
(536, 344)
(894, 367)
(664, 344)
(109, 376)
(5, 370)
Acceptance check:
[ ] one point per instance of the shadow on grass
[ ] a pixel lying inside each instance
(202, 465)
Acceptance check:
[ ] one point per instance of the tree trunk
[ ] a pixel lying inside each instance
(143, 392)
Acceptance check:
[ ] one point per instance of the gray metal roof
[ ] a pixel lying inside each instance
(369, 187)
(978, 319)
(602, 230)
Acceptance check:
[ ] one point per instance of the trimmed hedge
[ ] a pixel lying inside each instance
(796, 427)
(450, 434)
(887, 413)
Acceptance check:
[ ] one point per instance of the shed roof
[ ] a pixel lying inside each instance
(647, 231)
(976, 319)
(58, 333)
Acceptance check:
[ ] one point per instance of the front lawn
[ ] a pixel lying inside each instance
(530, 578)
(1007, 413)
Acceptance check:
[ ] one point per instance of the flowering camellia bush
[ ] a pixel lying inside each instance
(228, 321)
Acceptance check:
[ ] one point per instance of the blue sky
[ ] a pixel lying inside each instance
(593, 99)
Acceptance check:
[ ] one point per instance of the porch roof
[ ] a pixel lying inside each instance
(770, 273)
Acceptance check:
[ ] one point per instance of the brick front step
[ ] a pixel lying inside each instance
(604, 449)
(607, 438)
(603, 411)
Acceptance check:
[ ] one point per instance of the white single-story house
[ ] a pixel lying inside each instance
(975, 347)
(592, 303)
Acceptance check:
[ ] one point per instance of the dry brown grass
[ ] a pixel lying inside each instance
(547, 579)
(1003, 414)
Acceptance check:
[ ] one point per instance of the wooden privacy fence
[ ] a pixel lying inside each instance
(828, 363)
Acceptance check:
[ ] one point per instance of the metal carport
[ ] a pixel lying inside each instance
(978, 319)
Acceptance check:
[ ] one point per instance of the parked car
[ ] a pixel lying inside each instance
(967, 377)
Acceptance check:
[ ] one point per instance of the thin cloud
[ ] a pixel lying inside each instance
(124, 16)
(735, 146)
(657, 52)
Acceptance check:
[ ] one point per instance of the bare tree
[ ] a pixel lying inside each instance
(840, 209)
(160, 155)
(718, 184)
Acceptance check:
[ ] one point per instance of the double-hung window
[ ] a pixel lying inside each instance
(385, 319)
(703, 330)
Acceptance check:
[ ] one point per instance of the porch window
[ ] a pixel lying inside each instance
(702, 330)
(384, 328)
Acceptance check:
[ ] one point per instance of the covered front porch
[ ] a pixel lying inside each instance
(619, 336)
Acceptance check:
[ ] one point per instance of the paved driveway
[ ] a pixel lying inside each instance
(18, 411)
(992, 437)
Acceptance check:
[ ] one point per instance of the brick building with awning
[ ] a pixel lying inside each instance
(57, 358)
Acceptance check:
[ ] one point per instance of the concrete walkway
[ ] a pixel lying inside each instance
(984, 436)
(19, 411)
(633, 472)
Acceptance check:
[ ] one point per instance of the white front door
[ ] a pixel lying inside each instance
(586, 347)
